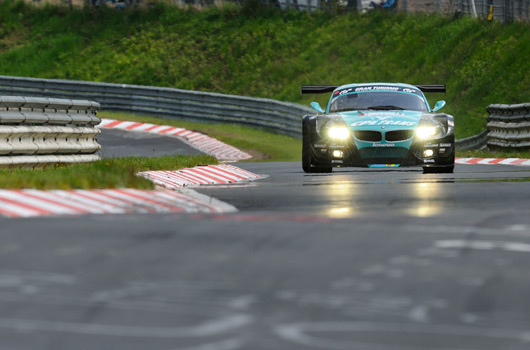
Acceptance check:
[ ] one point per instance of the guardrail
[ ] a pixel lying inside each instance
(169, 103)
(473, 142)
(509, 126)
(39, 131)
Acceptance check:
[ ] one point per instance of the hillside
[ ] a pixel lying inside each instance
(272, 54)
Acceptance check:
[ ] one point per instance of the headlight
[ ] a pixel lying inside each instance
(338, 133)
(427, 132)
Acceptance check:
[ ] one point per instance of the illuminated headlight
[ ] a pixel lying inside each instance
(339, 133)
(428, 153)
(426, 132)
(337, 154)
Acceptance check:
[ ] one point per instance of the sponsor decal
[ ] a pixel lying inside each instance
(377, 88)
(430, 145)
(445, 145)
(323, 150)
(382, 122)
(344, 92)
(317, 145)
(379, 115)
(442, 150)
(336, 161)
(428, 160)
(384, 145)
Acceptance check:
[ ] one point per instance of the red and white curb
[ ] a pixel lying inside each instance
(202, 142)
(200, 175)
(485, 161)
(29, 203)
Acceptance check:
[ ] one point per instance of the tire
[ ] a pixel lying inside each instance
(306, 153)
(309, 163)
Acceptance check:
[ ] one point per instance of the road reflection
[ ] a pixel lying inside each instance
(428, 199)
(342, 195)
(410, 196)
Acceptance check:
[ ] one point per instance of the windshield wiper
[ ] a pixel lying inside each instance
(386, 108)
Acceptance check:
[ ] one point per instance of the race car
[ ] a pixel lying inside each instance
(377, 125)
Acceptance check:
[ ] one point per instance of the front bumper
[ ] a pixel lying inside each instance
(351, 156)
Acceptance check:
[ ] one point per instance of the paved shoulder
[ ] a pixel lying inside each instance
(121, 143)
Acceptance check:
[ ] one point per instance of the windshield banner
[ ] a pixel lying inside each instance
(375, 88)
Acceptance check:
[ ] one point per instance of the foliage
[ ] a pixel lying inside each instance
(271, 53)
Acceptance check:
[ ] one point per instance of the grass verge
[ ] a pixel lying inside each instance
(262, 145)
(106, 173)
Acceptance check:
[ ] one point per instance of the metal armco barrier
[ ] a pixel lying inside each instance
(37, 131)
(509, 126)
(280, 117)
(473, 142)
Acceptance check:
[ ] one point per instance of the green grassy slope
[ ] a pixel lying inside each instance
(271, 55)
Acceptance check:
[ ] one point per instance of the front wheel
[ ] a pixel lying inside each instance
(309, 163)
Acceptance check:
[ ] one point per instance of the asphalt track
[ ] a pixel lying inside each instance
(121, 143)
(358, 259)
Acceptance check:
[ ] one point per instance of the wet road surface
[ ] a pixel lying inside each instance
(357, 259)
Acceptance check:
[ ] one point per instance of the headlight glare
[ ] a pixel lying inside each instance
(338, 132)
(425, 132)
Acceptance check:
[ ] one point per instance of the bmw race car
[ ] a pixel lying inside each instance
(378, 125)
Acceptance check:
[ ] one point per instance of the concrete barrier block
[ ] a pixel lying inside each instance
(88, 140)
(65, 138)
(81, 105)
(21, 140)
(80, 118)
(95, 106)
(5, 162)
(36, 103)
(12, 101)
(35, 117)
(56, 104)
(5, 134)
(12, 117)
(41, 139)
(59, 118)
(23, 162)
(94, 120)
(46, 160)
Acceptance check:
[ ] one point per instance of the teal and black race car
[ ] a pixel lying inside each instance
(378, 125)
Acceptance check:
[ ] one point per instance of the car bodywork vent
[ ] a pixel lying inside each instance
(399, 135)
(368, 135)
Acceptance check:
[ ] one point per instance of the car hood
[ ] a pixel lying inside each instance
(389, 120)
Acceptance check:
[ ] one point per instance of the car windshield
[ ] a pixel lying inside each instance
(377, 100)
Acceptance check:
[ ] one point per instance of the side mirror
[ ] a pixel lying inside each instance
(439, 105)
(316, 107)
